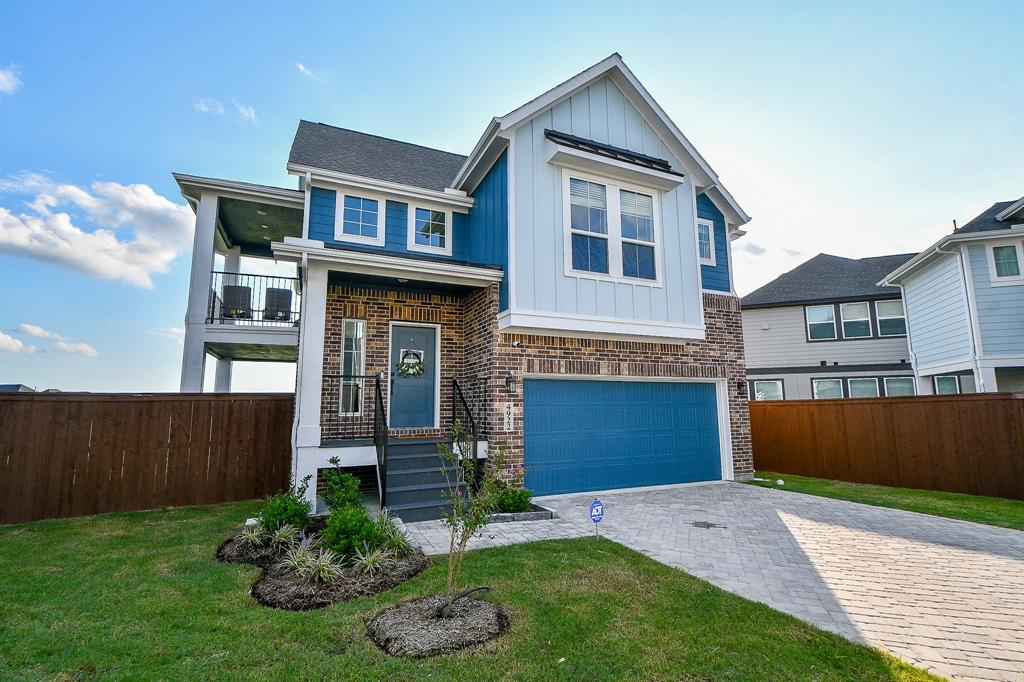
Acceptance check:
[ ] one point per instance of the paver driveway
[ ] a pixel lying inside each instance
(942, 594)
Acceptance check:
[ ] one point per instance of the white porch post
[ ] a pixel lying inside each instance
(309, 382)
(222, 379)
(193, 361)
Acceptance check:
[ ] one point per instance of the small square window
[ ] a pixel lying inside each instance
(900, 386)
(430, 228)
(947, 385)
(1006, 261)
(827, 388)
(856, 320)
(768, 390)
(863, 388)
(360, 217)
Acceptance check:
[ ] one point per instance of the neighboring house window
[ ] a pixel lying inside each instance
(821, 322)
(428, 230)
(892, 320)
(706, 241)
(588, 221)
(900, 386)
(768, 390)
(827, 388)
(948, 385)
(637, 216)
(856, 320)
(350, 400)
(863, 388)
(360, 219)
(611, 230)
(1005, 263)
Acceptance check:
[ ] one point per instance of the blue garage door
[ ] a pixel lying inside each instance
(598, 435)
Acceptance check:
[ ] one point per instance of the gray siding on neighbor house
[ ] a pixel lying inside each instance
(937, 313)
(776, 337)
(1000, 309)
(798, 386)
(1010, 379)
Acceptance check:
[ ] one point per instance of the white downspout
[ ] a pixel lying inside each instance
(979, 380)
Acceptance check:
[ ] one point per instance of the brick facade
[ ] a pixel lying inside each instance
(474, 349)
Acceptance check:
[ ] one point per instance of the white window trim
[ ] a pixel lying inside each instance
(879, 317)
(411, 230)
(843, 320)
(849, 388)
(711, 235)
(782, 390)
(339, 218)
(913, 384)
(807, 323)
(362, 367)
(1011, 280)
(814, 388)
(935, 383)
(614, 236)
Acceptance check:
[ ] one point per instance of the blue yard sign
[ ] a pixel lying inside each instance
(596, 510)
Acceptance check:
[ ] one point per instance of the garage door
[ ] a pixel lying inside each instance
(598, 435)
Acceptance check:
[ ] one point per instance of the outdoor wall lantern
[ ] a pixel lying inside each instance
(510, 382)
(741, 388)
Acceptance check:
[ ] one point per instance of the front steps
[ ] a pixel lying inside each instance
(415, 480)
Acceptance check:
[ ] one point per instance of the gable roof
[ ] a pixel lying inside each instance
(828, 278)
(988, 220)
(353, 153)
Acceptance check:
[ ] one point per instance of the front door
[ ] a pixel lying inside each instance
(414, 390)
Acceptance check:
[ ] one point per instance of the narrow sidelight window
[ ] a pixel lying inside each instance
(892, 320)
(352, 367)
(821, 322)
(706, 242)
(588, 214)
(856, 320)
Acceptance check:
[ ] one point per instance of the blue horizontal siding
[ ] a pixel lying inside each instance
(716, 277)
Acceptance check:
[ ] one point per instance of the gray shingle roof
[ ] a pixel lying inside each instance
(370, 156)
(826, 278)
(987, 220)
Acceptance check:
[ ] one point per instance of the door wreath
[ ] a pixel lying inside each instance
(411, 364)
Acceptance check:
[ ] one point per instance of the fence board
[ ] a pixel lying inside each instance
(963, 444)
(78, 454)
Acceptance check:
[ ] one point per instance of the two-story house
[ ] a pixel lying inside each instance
(965, 305)
(825, 329)
(563, 293)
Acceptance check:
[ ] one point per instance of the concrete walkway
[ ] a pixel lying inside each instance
(942, 594)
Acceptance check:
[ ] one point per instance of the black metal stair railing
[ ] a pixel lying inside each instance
(380, 441)
(462, 416)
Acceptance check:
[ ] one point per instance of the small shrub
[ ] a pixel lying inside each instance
(254, 535)
(285, 535)
(395, 538)
(372, 561)
(512, 499)
(350, 528)
(322, 567)
(287, 508)
(297, 558)
(341, 489)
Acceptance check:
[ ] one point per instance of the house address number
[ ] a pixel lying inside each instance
(508, 416)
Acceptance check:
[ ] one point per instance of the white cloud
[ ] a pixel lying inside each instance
(752, 248)
(303, 70)
(139, 233)
(209, 105)
(246, 112)
(38, 332)
(9, 344)
(76, 348)
(176, 333)
(9, 81)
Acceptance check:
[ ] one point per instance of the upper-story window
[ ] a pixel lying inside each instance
(429, 230)
(612, 231)
(1006, 260)
(821, 322)
(706, 241)
(892, 320)
(856, 320)
(360, 219)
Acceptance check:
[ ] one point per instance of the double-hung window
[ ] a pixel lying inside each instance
(429, 230)
(360, 219)
(856, 320)
(350, 398)
(892, 320)
(821, 322)
(706, 242)
(612, 230)
(1006, 262)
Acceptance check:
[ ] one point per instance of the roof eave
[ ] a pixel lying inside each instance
(1010, 210)
(188, 184)
(450, 197)
(894, 277)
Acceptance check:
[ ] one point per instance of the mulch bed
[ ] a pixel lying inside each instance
(411, 630)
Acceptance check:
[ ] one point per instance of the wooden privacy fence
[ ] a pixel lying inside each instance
(78, 454)
(963, 444)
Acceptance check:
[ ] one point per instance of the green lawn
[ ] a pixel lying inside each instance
(139, 596)
(995, 511)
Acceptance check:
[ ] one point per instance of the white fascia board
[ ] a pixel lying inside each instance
(384, 265)
(724, 202)
(252, 335)
(489, 135)
(1011, 209)
(457, 200)
(192, 186)
(548, 323)
(894, 277)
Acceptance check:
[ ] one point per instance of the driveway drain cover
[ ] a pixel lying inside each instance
(705, 524)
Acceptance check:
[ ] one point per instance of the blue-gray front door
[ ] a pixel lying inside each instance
(413, 397)
(599, 435)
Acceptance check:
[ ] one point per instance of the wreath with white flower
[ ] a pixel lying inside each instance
(411, 365)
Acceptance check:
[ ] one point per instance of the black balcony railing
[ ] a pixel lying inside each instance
(255, 300)
(348, 405)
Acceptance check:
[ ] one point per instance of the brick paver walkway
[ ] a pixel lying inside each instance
(942, 594)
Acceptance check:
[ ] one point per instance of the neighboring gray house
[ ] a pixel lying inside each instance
(827, 330)
(965, 305)
(16, 388)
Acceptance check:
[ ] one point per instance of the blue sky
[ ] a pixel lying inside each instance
(855, 129)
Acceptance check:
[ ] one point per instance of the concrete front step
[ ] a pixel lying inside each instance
(415, 481)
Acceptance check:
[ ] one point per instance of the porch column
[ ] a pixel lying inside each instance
(309, 375)
(222, 379)
(194, 355)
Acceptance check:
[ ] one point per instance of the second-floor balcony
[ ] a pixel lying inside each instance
(254, 300)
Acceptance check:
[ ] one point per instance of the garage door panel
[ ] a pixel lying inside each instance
(591, 435)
